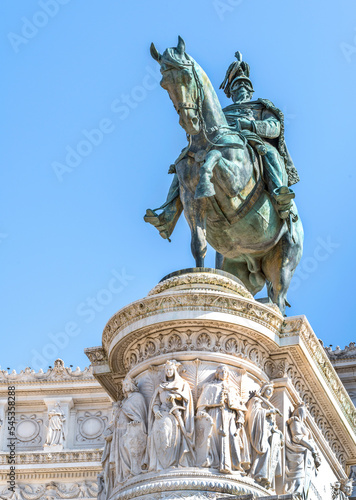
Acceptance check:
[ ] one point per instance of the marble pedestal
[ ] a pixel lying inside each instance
(202, 319)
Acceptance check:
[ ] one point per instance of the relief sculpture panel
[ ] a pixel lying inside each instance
(125, 439)
(209, 417)
(265, 438)
(55, 430)
(302, 456)
(221, 437)
(171, 422)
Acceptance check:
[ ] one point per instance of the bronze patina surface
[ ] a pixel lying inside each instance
(233, 179)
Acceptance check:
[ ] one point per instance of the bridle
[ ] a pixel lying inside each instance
(187, 105)
(199, 108)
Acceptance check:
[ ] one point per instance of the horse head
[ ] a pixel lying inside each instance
(181, 80)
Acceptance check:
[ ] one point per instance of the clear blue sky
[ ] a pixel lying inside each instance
(68, 68)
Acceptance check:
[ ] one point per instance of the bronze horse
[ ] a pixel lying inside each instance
(222, 190)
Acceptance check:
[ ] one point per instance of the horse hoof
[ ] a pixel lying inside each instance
(151, 217)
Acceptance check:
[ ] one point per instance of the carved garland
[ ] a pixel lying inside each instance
(203, 339)
(137, 340)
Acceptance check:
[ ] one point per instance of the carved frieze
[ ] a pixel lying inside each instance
(197, 414)
(85, 489)
(181, 339)
(61, 457)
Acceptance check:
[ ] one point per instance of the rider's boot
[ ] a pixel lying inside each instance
(283, 197)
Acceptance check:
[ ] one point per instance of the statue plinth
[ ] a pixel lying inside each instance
(210, 384)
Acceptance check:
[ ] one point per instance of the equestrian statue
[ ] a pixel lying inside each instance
(233, 178)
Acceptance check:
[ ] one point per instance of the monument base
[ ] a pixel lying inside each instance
(212, 388)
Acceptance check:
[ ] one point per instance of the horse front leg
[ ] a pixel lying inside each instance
(205, 187)
(226, 174)
(195, 213)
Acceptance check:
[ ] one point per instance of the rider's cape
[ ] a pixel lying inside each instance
(279, 143)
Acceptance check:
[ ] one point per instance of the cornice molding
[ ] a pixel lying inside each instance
(59, 373)
(62, 457)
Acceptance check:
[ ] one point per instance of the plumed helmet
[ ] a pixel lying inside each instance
(237, 73)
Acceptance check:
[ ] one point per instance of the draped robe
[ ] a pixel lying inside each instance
(265, 441)
(123, 454)
(228, 443)
(167, 445)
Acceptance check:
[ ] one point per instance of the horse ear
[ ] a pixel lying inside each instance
(154, 53)
(181, 46)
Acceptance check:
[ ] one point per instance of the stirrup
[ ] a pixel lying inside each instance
(283, 195)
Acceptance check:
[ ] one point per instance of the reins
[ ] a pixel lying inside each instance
(199, 108)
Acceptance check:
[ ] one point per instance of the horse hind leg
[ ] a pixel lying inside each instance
(194, 212)
(219, 260)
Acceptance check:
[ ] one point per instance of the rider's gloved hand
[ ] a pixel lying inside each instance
(244, 124)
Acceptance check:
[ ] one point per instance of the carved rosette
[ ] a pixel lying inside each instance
(188, 327)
